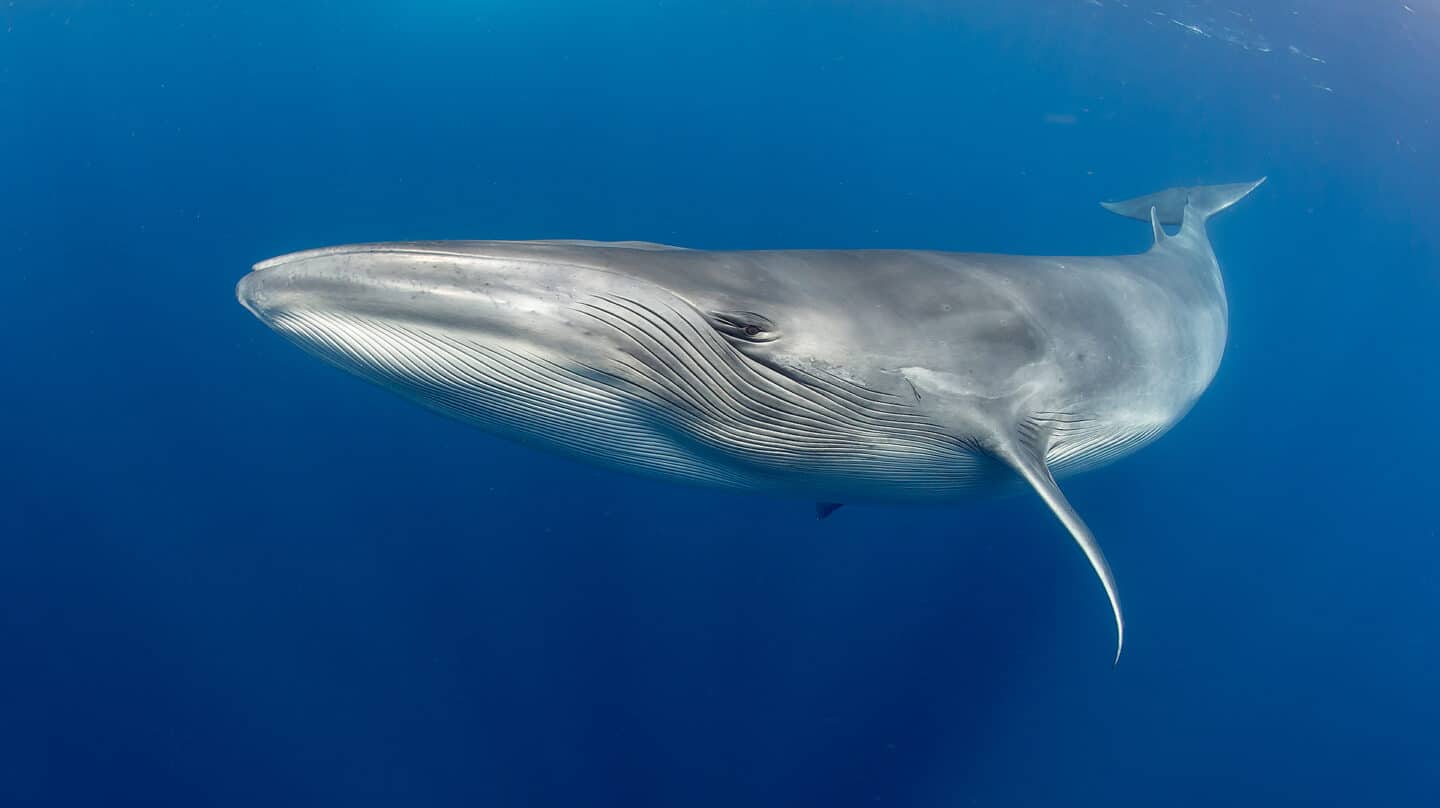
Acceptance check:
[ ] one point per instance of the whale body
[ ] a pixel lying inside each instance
(841, 376)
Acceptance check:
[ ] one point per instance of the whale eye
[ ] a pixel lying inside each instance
(746, 326)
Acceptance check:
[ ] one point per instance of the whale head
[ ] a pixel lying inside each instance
(622, 355)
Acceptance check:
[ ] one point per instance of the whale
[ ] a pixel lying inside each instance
(838, 376)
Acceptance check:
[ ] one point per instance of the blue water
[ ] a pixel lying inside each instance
(233, 576)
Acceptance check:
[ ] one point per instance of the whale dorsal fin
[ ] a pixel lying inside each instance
(1155, 225)
(1029, 462)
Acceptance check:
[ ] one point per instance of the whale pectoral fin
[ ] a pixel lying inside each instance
(1030, 465)
(824, 509)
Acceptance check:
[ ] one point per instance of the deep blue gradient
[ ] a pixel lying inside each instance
(233, 576)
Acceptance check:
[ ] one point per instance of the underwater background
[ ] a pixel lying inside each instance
(232, 576)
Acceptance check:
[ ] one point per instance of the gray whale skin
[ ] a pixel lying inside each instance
(842, 376)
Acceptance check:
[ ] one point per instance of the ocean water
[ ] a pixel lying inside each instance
(233, 576)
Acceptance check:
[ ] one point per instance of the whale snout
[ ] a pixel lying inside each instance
(251, 292)
(274, 285)
(325, 280)
(369, 308)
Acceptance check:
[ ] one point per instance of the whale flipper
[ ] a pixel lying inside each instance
(1030, 464)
